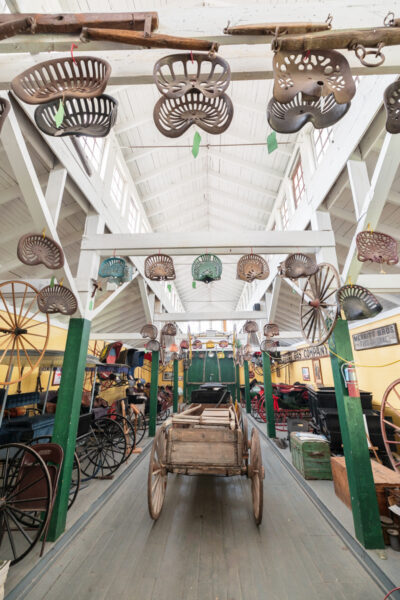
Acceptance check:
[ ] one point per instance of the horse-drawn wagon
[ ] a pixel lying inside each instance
(209, 438)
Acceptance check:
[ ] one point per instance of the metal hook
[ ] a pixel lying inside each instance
(329, 20)
(388, 21)
(362, 53)
(227, 27)
(275, 43)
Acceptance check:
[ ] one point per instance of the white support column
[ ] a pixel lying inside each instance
(99, 309)
(55, 191)
(321, 221)
(147, 300)
(25, 175)
(374, 202)
(276, 286)
(359, 182)
(88, 266)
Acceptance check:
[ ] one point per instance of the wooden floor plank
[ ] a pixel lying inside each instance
(206, 546)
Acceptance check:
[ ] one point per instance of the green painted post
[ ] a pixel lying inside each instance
(247, 387)
(176, 384)
(67, 416)
(268, 399)
(238, 384)
(185, 372)
(153, 393)
(358, 464)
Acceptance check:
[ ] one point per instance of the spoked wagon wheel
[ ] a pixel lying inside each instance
(103, 449)
(319, 308)
(245, 433)
(129, 433)
(157, 477)
(391, 430)
(256, 473)
(25, 500)
(23, 340)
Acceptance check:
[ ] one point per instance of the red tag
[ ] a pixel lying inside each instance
(307, 56)
(72, 51)
(191, 56)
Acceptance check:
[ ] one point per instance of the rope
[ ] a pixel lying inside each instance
(357, 364)
(391, 591)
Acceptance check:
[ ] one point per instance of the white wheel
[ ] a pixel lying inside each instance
(157, 477)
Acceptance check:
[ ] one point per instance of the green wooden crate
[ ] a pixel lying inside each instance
(311, 455)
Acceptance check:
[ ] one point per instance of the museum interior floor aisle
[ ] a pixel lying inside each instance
(205, 546)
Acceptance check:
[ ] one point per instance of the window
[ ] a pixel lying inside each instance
(117, 188)
(284, 212)
(299, 188)
(132, 216)
(322, 139)
(93, 148)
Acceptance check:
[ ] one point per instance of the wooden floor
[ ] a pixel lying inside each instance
(206, 546)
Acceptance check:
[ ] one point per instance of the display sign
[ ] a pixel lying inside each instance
(305, 354)
(376, 338)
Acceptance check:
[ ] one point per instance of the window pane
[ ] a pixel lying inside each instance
(117, 188)
(93, 148)
(299, 187)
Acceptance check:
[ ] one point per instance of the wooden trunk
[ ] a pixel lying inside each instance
(310, 456)
(383, 478)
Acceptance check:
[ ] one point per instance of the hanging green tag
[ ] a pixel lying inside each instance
(272, 142)
(52, 280)
(196, 144)
(194, 285)
(91, 305)
(59, 116)
(169, 287)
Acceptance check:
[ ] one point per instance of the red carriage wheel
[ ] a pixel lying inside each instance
(391, 428)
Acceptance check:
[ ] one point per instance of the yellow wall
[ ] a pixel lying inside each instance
(57, 341)
(371, 377)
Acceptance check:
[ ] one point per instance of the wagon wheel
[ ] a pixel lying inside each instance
(256, 473)
(129, 433)
(22, 340)
(319, 309)
(391, 431)
(140, 426)
(75, 481)
(25, 488)
(157, 477)
(103, 449)
(245, 433)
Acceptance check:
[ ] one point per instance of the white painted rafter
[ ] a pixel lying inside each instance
(178, 243)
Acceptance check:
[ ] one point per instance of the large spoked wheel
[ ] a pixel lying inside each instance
(245, 434)
(23, 340)
(75, 481)
(390, 408)
(139, 424)
(157, 477)
(103, 449)
(129, 432)
(25, 500)
(319, 308)
(256, 473)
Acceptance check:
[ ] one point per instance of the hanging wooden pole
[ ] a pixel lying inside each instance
(155, 40)
(339, 39)
(268, 398)
(247, 387)
(364, 502)
(153, 393)
(176, 385)
(238, 384)
(67, 416)
(272, 28)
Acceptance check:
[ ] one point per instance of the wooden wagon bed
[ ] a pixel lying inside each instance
(205, 440)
